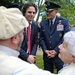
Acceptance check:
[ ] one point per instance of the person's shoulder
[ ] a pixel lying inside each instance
(35, 23)
(44, 21)
(62, 18)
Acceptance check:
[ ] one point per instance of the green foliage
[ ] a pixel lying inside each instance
(67, 10)
(8, 2)
(5, 2)
(39, 61)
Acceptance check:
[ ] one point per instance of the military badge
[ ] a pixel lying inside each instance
(60, 27)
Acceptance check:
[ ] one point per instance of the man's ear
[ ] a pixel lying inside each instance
(56, 11)
(15, 39)
(73, 58)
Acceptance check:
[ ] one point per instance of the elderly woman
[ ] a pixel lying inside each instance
(67, 54)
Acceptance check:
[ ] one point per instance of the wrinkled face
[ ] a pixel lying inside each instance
(51, 14)
(64, 55)
(30, 13)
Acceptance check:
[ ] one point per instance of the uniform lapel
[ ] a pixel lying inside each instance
(47, 27)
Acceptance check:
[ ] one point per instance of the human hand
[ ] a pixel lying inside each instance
(52, 54)
(48, 52)
(31, 59)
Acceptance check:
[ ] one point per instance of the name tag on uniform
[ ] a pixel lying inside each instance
(60, 27)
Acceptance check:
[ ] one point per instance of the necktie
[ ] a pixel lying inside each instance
(50, 24)
(28, 35)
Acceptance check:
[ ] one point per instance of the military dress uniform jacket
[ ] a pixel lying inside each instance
(50, 39)
(34, 42)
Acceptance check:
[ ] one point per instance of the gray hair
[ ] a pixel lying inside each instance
(69, 38)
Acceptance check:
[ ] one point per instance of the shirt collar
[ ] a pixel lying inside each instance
(9, 51)
(30, 22)
(53, 20)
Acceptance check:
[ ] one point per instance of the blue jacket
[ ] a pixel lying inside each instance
(51, 39)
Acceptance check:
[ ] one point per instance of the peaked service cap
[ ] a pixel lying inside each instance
(51, 6)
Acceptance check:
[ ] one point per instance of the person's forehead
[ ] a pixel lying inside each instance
(31, 7)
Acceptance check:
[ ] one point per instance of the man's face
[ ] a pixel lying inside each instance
(30, 13)
(64, 55)
(51, 14)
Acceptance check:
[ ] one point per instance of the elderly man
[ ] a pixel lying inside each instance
(12, 24)
(52, 29)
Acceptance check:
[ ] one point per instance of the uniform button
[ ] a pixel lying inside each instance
(50, 36)
(49, 41)
(50, 47)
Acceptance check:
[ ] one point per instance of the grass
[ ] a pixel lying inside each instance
(39, 61)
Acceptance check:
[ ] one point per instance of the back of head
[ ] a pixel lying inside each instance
(69, 38)
(11, 22)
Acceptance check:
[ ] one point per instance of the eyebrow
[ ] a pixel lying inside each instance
(31, 12)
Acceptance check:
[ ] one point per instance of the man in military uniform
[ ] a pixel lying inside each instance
(52, 30)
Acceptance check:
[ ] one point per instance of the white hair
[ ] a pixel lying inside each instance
(58, 14)
(69, 38)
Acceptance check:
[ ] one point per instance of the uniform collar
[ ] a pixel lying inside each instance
(53, 20)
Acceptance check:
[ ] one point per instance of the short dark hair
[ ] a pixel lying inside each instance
(27, 5)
